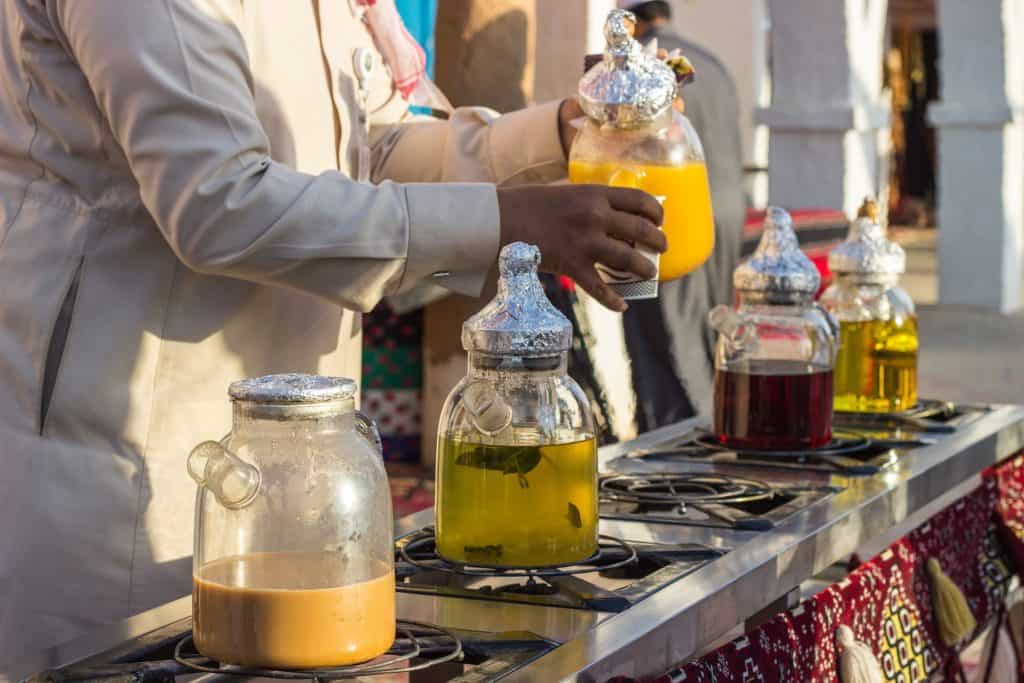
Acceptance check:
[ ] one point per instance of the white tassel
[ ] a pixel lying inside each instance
(857, 663)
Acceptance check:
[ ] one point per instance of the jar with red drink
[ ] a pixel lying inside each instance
(776, 351)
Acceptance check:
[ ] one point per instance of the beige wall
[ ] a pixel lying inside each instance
(566, 30)
(485, 52)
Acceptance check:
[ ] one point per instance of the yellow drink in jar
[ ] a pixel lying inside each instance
(689, 222)
(876, 369)
(509, 505)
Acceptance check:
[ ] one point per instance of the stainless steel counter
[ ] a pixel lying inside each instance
(685, 616)
(676, 622)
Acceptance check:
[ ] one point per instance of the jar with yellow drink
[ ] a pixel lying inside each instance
(876, 370)
(634, 137)
(516, 482)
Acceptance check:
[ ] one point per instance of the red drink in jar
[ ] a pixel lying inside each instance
(773, 405)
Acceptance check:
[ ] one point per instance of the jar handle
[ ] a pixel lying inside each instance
(735, 328)
(232, 481)
(368, 430)
(833, 327)
(488, 411)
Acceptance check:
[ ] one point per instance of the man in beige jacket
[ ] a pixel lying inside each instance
(177, 211)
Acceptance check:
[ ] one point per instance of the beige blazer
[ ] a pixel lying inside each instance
(177, 211)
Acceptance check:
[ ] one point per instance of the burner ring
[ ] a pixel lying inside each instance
(842, 443)
(665, 488)
(602, 560)
(394, 662)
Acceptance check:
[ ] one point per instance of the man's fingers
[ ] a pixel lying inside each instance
(636, 230)
(621, 256)
(589, 280)
(636, 202)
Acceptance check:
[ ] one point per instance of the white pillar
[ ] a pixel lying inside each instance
(829, 116)
(736, 32)
(981, 153)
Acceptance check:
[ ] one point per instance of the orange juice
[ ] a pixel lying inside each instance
(689, 224)
(293, 610)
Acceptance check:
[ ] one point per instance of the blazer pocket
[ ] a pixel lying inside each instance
(58, 340)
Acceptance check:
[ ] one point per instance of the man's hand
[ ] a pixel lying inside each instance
(576, 226)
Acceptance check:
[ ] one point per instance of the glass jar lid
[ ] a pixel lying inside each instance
(519, 321)
(778, 266)
(627, 87)
(867, 250)
(292, 388)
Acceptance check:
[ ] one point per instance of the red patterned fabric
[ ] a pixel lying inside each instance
(886, 602)
(1009, 477)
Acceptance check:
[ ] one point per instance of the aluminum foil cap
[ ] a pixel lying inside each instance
(519, 321)
(627, 87)
(867, 250)
(777, 266)
(292, 388)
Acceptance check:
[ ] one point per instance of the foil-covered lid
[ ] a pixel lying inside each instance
(519, 321)
(866, 249)
(777, 266)
(292, 388)
(627, 87)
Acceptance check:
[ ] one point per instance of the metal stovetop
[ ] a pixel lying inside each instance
(685, 616)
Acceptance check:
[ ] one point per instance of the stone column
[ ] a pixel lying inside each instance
(828, 120)
(981, 153)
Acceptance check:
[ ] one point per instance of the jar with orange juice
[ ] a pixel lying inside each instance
(634, 137)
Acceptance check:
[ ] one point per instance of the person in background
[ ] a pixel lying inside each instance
(196, 191)
(669, 343)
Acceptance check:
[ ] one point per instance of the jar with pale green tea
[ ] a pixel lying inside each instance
(516, 455)
(876, 370)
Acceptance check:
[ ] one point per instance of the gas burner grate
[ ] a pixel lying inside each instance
(673, 498)
(683, 489)
(419, 550)
(842, 444)
(848, 453)
(929, 416)
(929, 409)
(414, 640)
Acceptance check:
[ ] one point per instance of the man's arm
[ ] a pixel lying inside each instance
(172, 79)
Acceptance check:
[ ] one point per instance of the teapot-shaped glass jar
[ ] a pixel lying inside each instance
(876, 371)
(293, 563)
(634, 137)
(775, 353)
(516, 454)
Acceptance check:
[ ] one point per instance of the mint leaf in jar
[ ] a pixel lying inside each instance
(574, 517)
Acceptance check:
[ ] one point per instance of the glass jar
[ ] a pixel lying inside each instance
(293, 562)
(775, 353)
(876, 371)
(634, 137)
(516, 453)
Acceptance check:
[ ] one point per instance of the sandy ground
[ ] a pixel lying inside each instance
(967, 354)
